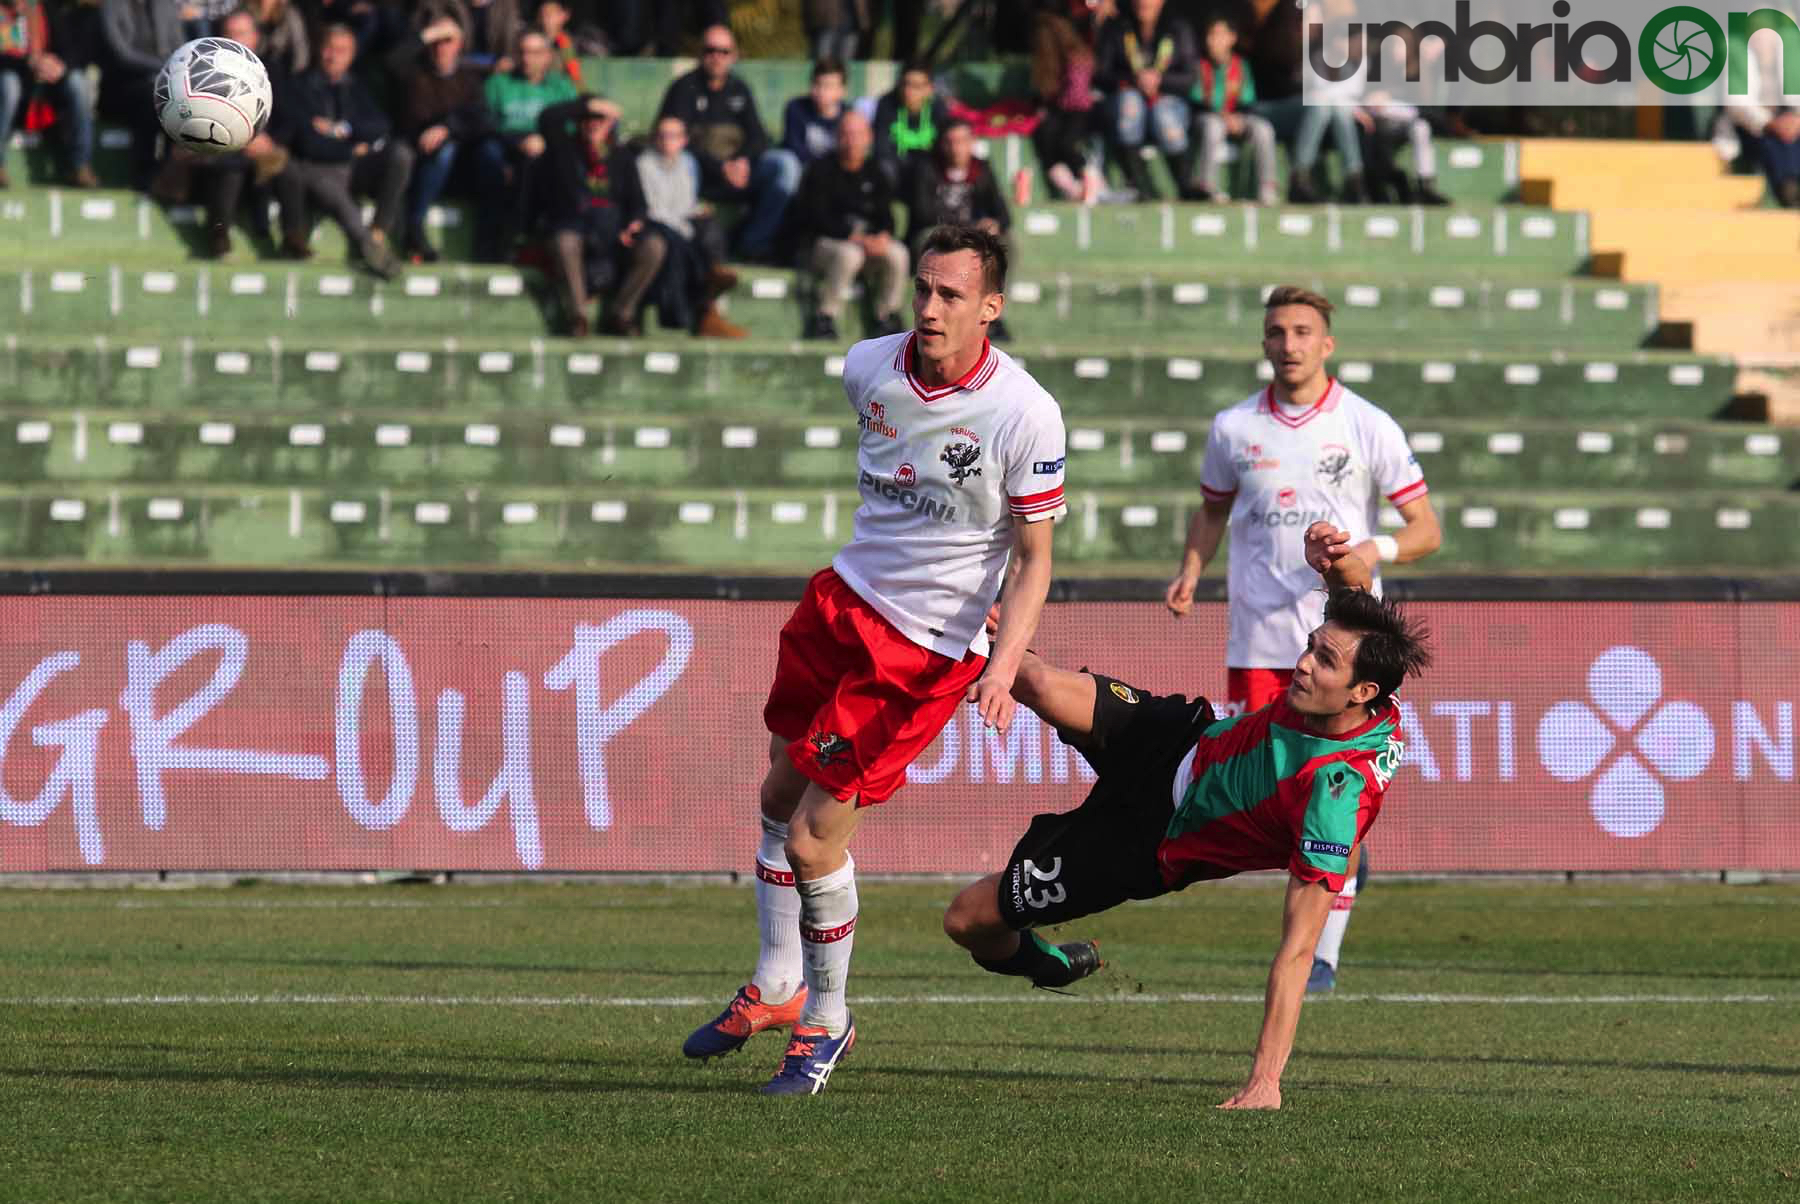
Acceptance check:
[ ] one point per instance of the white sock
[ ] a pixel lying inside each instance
(1332, 939)
(827, 925)
(778, 965)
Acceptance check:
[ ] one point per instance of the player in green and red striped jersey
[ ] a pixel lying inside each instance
(1183, 797)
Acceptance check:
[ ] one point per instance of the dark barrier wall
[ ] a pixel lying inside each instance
(211, 732)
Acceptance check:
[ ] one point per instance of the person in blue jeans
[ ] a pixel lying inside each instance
(28, 67)
(446, 118)
(1145, 67)
(737, 164)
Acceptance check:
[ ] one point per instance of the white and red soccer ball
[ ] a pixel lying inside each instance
(213, 96)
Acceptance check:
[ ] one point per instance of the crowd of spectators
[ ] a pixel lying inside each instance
(394, 108)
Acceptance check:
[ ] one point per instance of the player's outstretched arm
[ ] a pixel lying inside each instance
(1302, 919)
(1020, 610)
(1329, 553)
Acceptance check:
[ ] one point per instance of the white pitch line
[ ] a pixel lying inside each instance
(685, 1001)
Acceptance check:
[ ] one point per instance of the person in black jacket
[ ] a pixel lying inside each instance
(1144, 64)
(338, 145)
(136, 36)
(594, 215)
(907, 123)
(954, 188)
(726, 135)
(444, 115)
(843, 216)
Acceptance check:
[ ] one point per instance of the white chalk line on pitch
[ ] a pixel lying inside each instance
(686, 1001)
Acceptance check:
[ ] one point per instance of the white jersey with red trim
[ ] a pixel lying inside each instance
(1284, 468)
(943, 472)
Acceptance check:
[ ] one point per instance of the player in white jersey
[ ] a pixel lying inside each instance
(1304, 449)
(960, 462)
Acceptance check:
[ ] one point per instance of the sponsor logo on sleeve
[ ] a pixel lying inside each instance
(1049, 468)
(1329, 847)
(1123, 692)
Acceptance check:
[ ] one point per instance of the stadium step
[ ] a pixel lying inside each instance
(1116, 308)
(1595, 173)
(760, 378)
(794, 530)
(72, 228)
(63, 227)
(1317, 237)
(224, 446)
(1749, 319)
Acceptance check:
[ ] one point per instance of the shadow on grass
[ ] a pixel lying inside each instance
(1383, 1056)
(609, 971)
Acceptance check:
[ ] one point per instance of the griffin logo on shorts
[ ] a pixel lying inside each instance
(961, 458)
(828, 747)
(1124, 692)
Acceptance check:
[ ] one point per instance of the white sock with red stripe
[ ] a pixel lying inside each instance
(1332, 939)
(827, 922)
(778, 965)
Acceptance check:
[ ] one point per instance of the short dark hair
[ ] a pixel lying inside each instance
(1391, 646)
(830, 65)
(989, 248)
(955, 123)
(1293, 294)
(914, 67)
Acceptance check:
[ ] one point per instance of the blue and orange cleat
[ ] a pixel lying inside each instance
(744, 1017)
(811, 1056)
(1323, 979)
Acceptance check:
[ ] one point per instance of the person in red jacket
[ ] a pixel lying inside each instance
(28, 70)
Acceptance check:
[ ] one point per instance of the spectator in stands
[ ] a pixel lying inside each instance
(1384, 127)
(1144, 63)
(1763, 120)
(656, 26)
(1278, 47)
(553, 23)
(835, 27)
(339, 146)
(1062, 75)
(907, 121)
(30, 68)
(844, 221)
(737, 163)
(692, 278)
(809, 123)
(594, 211)
(137, 36)
(516, 98)
(954, 187)
(202, 18)
(282, 43)
(444, 115)
(377, 25)
(224, 178)
(490, 29)
(1780, 149)
(1223, 93)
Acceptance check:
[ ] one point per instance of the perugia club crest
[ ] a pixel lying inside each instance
(961, 457)
(1334, 464)
(829, 748)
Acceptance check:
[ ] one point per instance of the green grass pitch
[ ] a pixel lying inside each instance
(1595, 1041)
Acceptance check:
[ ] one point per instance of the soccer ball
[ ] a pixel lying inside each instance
(213, 96)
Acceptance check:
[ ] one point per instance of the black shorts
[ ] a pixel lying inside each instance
(1104, 852)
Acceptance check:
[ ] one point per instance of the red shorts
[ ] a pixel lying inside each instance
(855, 699)
(1249, 690)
